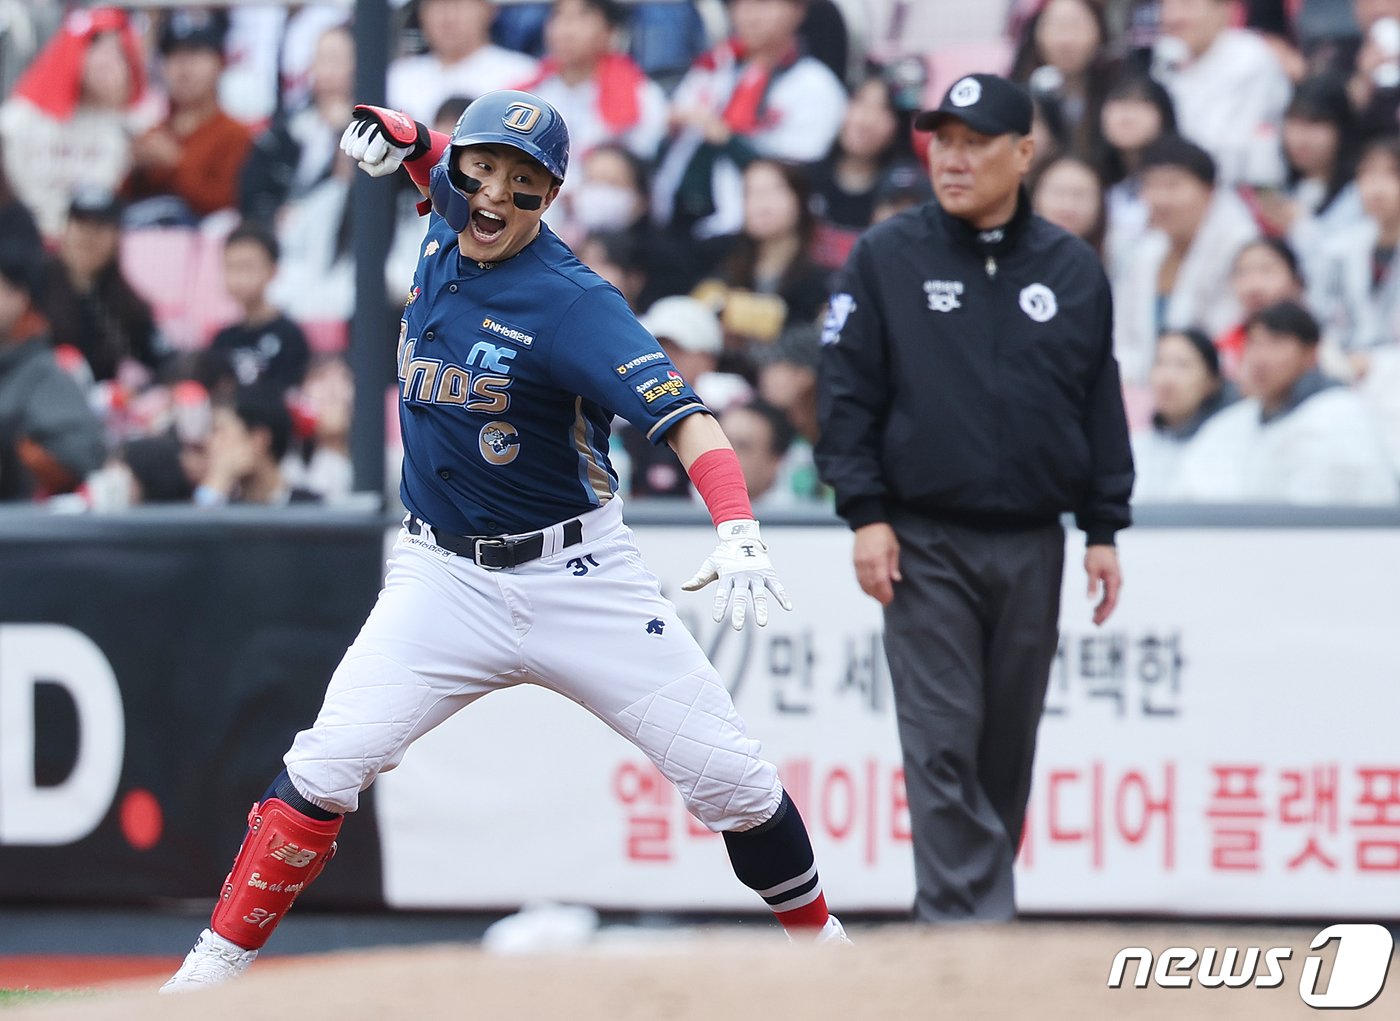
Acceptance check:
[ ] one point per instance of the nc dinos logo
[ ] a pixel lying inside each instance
(521, 117)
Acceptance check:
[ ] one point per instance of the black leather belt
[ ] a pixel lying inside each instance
(491, 551)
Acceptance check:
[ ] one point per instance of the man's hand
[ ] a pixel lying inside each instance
(877, 561)
(381, 140)
(1101, 564)
(157, 149)
(745, 574)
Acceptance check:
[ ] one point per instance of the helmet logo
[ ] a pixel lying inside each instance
(521, 116)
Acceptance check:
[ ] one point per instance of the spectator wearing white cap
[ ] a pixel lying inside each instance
(690, 335)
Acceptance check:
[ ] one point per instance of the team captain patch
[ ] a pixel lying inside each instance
(514, 334)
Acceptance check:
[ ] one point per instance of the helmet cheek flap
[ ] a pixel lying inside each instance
(450, 202)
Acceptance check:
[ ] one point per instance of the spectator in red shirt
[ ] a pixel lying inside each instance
(192, 160)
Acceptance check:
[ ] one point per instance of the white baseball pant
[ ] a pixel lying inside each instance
(588, 621)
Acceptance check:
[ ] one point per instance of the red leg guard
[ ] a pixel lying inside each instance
(282, 853)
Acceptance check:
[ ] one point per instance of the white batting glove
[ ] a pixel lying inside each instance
(745, 574)
(366, 142)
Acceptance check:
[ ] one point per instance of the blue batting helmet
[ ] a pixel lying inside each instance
(507, 117)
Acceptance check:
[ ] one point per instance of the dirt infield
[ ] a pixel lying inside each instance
(1030, 970)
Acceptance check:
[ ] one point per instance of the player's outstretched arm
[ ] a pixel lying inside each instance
(382, 140)
(740, 562)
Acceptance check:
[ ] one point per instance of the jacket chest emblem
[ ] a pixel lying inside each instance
(943, 295)
(1038, 302)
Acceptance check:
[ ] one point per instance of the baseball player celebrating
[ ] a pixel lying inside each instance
(514, 564)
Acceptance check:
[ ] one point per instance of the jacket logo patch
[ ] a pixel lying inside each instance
(1038, 302)
(943, 295)
(838, 310)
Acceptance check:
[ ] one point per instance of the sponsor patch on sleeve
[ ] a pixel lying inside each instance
(641, 361)
(658, 386)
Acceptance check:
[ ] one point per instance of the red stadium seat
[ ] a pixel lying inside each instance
(326, 336)
(160, 262)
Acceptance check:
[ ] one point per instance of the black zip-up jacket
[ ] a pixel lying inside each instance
(970, 377)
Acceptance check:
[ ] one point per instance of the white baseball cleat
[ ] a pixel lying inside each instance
(213, 960)
(833, 932)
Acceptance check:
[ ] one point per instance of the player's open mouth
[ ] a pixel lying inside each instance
(486, 226)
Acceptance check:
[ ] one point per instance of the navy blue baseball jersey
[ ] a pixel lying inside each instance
(509, 377)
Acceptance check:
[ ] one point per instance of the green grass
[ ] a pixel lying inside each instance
(18, 997)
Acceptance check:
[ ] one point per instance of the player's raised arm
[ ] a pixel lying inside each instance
(740, 562)
(383, 140)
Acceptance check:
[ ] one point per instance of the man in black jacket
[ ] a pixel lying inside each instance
(968, 397)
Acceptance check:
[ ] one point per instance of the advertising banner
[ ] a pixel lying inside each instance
(151, 676)
(1225, 744)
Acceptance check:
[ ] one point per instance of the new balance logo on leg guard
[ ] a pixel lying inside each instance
(296, 857)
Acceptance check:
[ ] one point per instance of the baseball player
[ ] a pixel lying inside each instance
(514, 564)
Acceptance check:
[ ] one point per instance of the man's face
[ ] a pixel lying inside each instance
(1260, 278)
(1273, 362)
(1176, 201)
(975, 175)
(498, 228)
(751, 436)
(766, 24)
(247, 271)
(14, 301)
(454, 28)
(237, 449)
(88, 245)
(576, 33)
(192, 75)
(1195, 22)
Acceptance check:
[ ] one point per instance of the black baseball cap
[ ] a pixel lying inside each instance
(986, 103)
(194, 29)
(17, 265)
(95, 204)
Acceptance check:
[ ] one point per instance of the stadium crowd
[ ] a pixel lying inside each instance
(176, 269)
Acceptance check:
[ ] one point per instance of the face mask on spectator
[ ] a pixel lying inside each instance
(600, 206)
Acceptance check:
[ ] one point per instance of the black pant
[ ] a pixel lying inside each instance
(970, 638)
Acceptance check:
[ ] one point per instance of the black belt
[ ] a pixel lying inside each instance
(491, 551)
